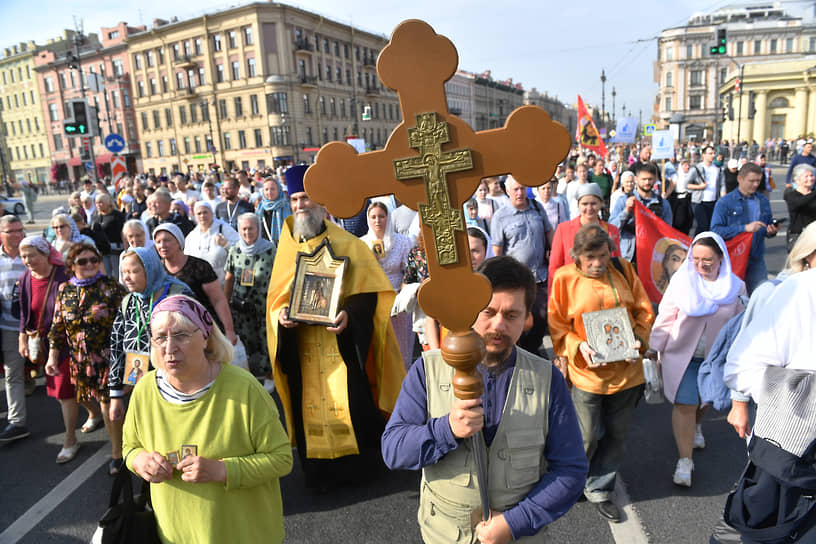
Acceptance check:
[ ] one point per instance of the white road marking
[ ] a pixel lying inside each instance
(630, 530)
(34, 515)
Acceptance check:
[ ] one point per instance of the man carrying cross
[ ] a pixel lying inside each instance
(322, 374)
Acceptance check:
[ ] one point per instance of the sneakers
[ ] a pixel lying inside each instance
(682, 474)
(13, 432)
(699, 439)
(608, 510)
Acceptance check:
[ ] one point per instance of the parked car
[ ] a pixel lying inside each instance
(13, 205)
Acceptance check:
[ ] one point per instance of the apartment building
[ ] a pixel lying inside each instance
(99, 71)
(257, 85)
(689, 77)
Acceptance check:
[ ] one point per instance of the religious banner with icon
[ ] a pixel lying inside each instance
(661, 250)
(609, 334)
(587, 133)
(315, 294)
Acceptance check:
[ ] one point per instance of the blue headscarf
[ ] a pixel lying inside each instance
(155, 274)
(277, 210)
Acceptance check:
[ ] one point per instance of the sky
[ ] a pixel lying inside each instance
(558, 47)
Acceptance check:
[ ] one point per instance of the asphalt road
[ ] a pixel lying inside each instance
(42, 502)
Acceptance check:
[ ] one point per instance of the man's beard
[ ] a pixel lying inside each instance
(308, 225)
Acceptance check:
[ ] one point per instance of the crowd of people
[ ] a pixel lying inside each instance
(140, 301)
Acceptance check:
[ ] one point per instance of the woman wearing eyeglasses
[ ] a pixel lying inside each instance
(206, 435)
(67, 234)
(83, 318)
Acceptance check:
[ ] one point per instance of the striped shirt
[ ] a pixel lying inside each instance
(173, 395)
(11, 269)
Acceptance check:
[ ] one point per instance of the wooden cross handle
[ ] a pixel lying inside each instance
(464, 350)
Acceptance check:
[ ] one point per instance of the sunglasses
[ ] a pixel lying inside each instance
(84, 261)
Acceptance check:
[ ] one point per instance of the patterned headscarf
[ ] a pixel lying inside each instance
(189, 308)
(41, 244)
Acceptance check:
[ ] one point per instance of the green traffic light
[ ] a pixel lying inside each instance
(721, 50)
(82, 129)
(715, 50)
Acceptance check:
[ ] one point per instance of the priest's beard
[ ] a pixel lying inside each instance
(308, 224)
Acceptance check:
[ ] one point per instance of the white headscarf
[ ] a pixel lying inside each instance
(388, 236)
(698, 297)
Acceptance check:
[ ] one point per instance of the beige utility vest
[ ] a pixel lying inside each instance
(449, 493)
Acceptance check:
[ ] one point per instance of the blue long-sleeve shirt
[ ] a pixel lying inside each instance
(733, 211)
(412, 440)
(625, 220)
(799, 159)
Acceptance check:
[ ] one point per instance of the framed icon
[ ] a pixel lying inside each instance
(188, 450)
(136, 366)
(609, 334)
(316, 289)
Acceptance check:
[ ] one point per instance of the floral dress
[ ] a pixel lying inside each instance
(83, 318)
(416, 270)
(252, 274)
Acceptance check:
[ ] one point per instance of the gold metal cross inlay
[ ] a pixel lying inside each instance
(433, 165)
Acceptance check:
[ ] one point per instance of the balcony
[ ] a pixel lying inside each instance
(184, 61)
(372, 90)
(303, 45)
(308, 80)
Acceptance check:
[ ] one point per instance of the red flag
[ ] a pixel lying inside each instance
(586, 132)
(662, 249)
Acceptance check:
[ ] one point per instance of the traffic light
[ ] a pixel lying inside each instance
(751, 104)
(724, 110)
(85, 149)
(731, 107)
(79, 124)
(719, 47)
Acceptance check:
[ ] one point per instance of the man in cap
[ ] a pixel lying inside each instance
(335, 382)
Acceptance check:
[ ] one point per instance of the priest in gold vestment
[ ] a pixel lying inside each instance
(337, 383)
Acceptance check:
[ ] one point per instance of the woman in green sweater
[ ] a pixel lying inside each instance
(205, 434)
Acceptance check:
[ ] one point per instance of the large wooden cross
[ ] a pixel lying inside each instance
(413, 166)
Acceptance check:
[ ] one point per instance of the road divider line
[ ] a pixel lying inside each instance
(630, 530)
(34, 515)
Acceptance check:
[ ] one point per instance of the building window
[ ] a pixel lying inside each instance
(309, 139)
(343, 108)
(668, 104)
(695, 102)
(241, 139)
(812, 44)
(165, 82)
(187, 145)
(333, 106)
(348, 77)
(232, 39)
(217, 42)
(193, 113)
(740, 48)
(205, 111)
(251, 68)
(183, 114)
(773, 46)
(188, 50)
(276, 102)
(137, 61)
(320, 71)
(179, 80)
(222, 108)
(248, 35)
(669, 79)
(176, 51)
(253, 104)
(197, 144)
(239, 109)
(357, 53)
(156, 120)
(197, 46)
(168, 117)
(670, 53)
(160, 148)
(202, 76)
(58, 142)
(338, 72)
(148, 150)
(789, 45)
(153, 86)
(236, 70)
(118, 68)
(160, 55)
(53, 112)
(696, 77)
(150, 59)
(191, 78)
(328, 73)
(322, 103)
(346, 50)
(144, 121)
(227, 141)
(307, 108)
(279, 135)
(140, 86)
(49, 84)
(723, 75)
(258, 138)
(219, 73)
(173, 150)
(757, 47)
(689, 51)
(325, 135)
(326, 46)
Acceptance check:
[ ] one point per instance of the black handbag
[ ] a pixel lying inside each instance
(130, 521)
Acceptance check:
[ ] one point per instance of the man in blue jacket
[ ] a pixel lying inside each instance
(745, 210)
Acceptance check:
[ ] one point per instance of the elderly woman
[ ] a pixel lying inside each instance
(211, 239)
(220, 461)
(391, 250)
(590, 202)
(67, 234)
(702, 296)
(39, 286)
(83, 317)
(273, 209)
(801, 202)
(604, 395)
(147, 284)
(109, 221)
(248, 269)
(196, 273)
(627, 185)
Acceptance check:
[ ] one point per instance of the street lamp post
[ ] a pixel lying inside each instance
(613, 105)
(603, 98)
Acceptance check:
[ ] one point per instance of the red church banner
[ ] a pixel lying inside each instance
(587, 133)
(662, 249)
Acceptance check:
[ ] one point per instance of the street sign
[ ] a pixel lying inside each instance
(662, 144)
(89, 166)
(114, 143)
(649, 129)
(118, 169)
